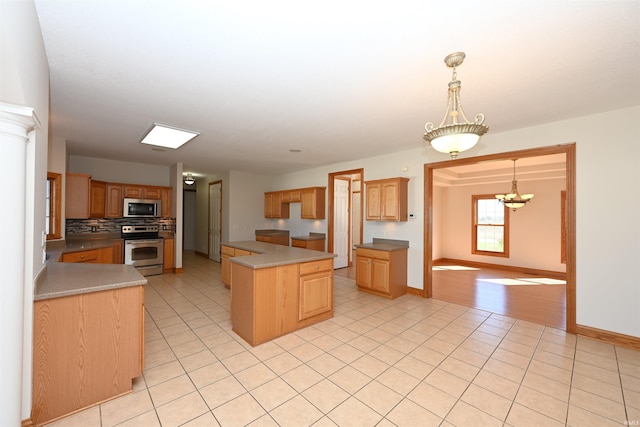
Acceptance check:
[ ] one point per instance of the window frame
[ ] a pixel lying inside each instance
(474, 227)
(55, 205)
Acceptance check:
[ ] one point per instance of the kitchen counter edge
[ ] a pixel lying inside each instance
(271, 255)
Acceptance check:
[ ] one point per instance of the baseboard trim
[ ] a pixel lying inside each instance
(202, 254)
(27, 423)
(178, 270)
(414, 291)
(614, 338)
(526, 270)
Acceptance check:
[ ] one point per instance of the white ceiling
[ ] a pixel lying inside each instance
(339, 80)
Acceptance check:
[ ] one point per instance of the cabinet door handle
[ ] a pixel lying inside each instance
(317, 267)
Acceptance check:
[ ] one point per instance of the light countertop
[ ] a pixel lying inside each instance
(62, 279)
(271, 255)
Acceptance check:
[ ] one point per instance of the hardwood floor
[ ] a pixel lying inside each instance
(542, 304)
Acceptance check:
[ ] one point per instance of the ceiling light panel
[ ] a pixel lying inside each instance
(167, 136)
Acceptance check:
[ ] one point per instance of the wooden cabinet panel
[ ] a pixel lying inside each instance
(276, 239)
(387, 199)
(77, 196)
(165, 198)
(382, 272)
(225, 265)
(152, 192)
(316, 296)
(87, 349)
(133, 191)
(98, 199)
(274, 207)
(169, 255)
(93, 256)
(312, 203)
(118, 251)
(314, 245)
(114, 198)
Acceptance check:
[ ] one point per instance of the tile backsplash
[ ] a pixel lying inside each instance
(114, 225)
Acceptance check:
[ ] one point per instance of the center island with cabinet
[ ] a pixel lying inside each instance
(277, 289)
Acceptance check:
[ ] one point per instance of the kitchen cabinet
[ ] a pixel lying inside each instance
(87, 349)
(165, 198)
(305, 243)
(387, 199)
(93, 256)
(273, 301)
(169, 255)
(312, 203)
(118, 251)
(316, 288)
(133, 191)
(113, 208)
(291, 196)
(274, 207)
(382, 272)
(225, 265)
(276, 238)
(98, 198)
(77, 195)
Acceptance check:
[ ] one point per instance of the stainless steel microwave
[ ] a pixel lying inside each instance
(141, 208)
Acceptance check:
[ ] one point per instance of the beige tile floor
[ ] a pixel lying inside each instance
(406, 362)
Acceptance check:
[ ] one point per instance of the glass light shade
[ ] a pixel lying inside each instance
(455, 142)
(514, 205)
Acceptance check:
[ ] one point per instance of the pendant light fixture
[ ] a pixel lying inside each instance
(514, 200)
(455, 133)
(189, 179)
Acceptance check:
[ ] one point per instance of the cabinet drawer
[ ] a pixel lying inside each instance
(84, 256)
(372, 253)
(315, 266)
(265, 239)
(226, 250)
(298, 243)
(241, 252)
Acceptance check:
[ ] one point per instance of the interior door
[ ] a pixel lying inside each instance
(341, 229)
(215, 215)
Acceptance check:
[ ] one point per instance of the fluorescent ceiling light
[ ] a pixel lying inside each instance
(167, 136)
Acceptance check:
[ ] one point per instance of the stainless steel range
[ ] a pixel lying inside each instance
(143, 248)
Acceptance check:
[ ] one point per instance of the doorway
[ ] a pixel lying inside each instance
(215, 218)
(570, 216)
(345, 214)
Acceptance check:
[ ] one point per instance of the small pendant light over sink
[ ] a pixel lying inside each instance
(514, 200)
(455, 133)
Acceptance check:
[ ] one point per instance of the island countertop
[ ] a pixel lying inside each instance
(271, 255)
(62, 279)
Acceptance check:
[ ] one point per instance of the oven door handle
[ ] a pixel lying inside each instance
(132, 242)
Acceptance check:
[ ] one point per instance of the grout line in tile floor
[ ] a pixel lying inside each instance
(409, 361)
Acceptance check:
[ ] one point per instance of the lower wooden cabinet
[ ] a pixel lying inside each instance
(87, 349)
(316, 288)
(273, 301)
(169, 261)
(382, 272)
(314, 245)
(95, 256)
(225, 265)
(276, 239)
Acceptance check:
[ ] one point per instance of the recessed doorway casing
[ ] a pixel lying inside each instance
(570, 246)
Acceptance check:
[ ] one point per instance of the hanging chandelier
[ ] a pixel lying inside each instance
(455, 133)
(514, 200)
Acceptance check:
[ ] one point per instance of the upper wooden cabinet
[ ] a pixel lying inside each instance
(165, 197)
(387, 199)
(77, 196)
(274, 207)
(312, 200)
(114, 198)
(276, 203)
(143, 191)
(98, 199)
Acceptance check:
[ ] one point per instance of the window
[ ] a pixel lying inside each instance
(53, 210)
(490, 226)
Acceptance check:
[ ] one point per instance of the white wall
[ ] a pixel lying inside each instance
(25, 82)
(246, 204)
(534, 230)
(119, 171)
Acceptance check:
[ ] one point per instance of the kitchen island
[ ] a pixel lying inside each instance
(278, 289)
(88, 332)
